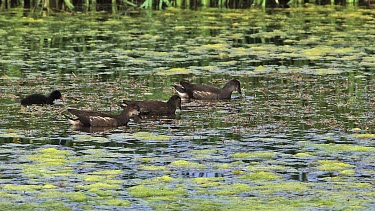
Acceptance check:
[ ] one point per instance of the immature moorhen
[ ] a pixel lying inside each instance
(41, 99)
(92, 118)
(154, 107)
(207, 92)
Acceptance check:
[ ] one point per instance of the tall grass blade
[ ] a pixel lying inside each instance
(205, 3)
(114, 7)
(86, 5)
(93, 5)
(129, 3)
(160, 4)
(69, 4)
(147, 4)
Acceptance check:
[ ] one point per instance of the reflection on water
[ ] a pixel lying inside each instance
(194, 174)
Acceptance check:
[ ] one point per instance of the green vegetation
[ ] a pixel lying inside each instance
(262, 175)
(120, 6)
(146, 136)
(300, 137)
(145, 191)
(331, 165)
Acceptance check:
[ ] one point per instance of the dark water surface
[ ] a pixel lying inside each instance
(301, 136)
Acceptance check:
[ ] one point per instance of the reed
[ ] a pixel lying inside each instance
(37, 6)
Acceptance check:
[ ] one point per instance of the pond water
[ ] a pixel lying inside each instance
(300, 137)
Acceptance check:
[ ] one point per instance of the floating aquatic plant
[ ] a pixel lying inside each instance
(173, 71)
(261, 175)
(145, 191)
(331, 165)
(365, 135)
(146, 136)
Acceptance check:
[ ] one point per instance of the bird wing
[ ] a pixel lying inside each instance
(201, 91)
(149, 106)
(88, 117)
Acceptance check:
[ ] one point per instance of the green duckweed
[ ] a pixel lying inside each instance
(331, 165)
(187, 164)
(261, 175)
(143, 191)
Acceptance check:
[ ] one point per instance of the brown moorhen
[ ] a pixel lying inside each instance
(92, 118)
(207, 92)
(154, 107)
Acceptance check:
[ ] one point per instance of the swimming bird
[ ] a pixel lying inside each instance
(92, 118)
(155, 107)
(207, 92)
(41, 99)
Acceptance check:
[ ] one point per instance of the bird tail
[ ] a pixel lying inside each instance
(179, 88)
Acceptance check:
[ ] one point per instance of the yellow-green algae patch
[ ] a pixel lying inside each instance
(261, 175)
(50, 162)
(302, 154)
(352, 185)
(158, 180)
(107, 172)
(95, 155)
(232, 189)
(152, 168)
(84, 138)
(203, 205)
(216, 46)
(257, 203)
(52, 156)
(173, 71)
(209, 182)
(116, 202)
(273, 187)
(320, 51)
(101, 185)
(45, 170)
(366, 135)
(102, 179)
(4, 195)
(256, 167)
(145, 160)
(103, 193)
(334, 148)
(256, 154)
(93, 178)
(331, 165)
(222, 166)
(46, 205)
(49, 186)
(146, 136)
(347, 172)
(143, 191)
(28, 188)
(73, 196)
(10, 135)
(187, 164)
